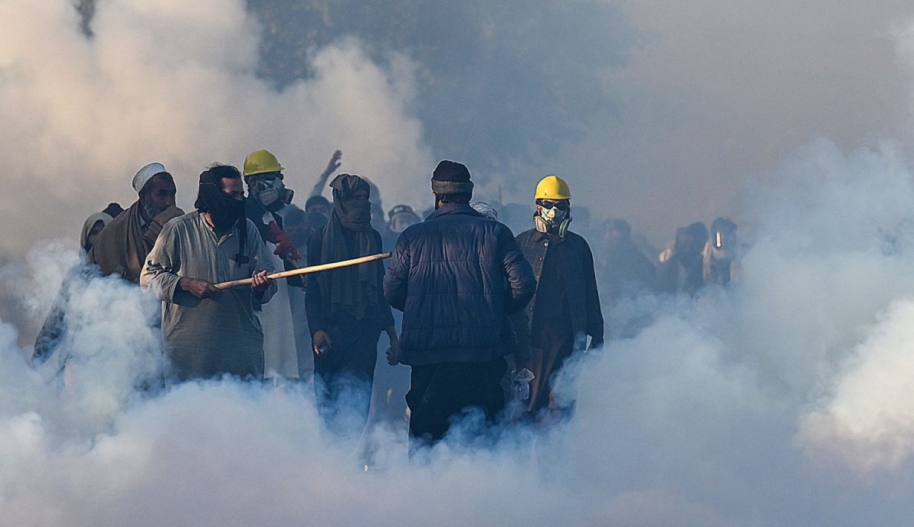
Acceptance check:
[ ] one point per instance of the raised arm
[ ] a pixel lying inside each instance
(331, 168)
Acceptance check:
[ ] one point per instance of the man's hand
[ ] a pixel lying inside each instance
(393, 352)
(197, 287)
(320, 342)
(333, 164)
(260, 282)
(521, 383)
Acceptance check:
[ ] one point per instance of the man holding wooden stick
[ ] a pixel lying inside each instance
(211, 331)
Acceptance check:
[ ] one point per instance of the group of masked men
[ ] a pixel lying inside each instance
(488, 320)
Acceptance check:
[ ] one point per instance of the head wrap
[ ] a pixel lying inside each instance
(90, 222)
(224, 210)
(349, 235)
(354, 214)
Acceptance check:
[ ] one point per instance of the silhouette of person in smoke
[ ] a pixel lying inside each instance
(720, 257)
(680, 268)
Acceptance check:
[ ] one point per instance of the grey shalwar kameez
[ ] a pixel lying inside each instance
(212, 336)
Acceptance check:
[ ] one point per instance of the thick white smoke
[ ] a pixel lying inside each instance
(175, 82)
(738, 409)
(780, 402)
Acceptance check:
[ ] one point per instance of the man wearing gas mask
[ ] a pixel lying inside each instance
(566, 306)
(268, 205)
(401, 217)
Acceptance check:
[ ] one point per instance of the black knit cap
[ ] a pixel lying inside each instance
(450, 177)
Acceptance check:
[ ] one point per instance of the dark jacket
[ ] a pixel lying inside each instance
(580, 279)
(448, 276)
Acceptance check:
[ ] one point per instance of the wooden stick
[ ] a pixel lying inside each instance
(306, 270)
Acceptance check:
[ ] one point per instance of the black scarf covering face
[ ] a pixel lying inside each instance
(224, 210)
(349, 235)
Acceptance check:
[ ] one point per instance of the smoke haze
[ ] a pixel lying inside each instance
(779, 402)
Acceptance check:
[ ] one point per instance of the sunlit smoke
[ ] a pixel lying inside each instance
(780, 401)
(176, 82)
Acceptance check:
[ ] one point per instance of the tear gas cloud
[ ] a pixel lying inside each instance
(177, 83)
(656, 111)
(779, 402)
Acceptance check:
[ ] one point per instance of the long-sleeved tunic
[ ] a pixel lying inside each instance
(212, 336)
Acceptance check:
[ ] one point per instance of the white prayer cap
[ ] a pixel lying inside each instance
(145, 174)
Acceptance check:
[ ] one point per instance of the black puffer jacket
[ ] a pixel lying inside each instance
(448, 276)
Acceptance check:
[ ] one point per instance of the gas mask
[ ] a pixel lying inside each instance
(552, 216)
(272, 192)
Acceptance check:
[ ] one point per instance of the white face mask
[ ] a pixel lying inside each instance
(271, 191)
(553, 215)
(552, 220)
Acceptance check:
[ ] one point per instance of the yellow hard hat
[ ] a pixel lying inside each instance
(552, 187)
(261, 162)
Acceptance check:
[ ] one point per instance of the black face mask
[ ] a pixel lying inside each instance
(229, 215)
(224, 210)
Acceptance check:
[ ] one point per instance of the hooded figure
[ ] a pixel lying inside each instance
(54, 329)
(346, 307)
(93, 225)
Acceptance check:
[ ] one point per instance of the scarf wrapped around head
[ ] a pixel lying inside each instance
(224, 210)
(349, 235)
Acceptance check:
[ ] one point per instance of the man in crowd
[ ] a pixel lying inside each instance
(209, 331)
(624, 270)
(317, 212)
(721, 255)
(401, 217)
(455, 276)
(121, 247)
(347, 310)
(566, 307)
(54, 329)
(680, 269)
